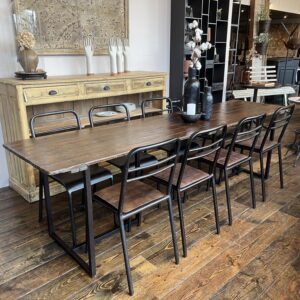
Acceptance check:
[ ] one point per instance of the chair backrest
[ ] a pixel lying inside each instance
(212, 146)
(169, 106)
(70, 124)
(108, 119)
(247, 130)
(265, 74)
(278, 124)
(138, 172)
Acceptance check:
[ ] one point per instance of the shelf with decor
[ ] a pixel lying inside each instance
(214, 18)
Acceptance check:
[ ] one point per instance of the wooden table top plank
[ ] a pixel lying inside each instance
(66, 151)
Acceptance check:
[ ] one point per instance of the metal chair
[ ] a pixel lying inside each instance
(132, 195)
(248, 129)
(267, 143)
(145, 158)
(71, 182)
(187, 176)
(172, 106)
(169, 106)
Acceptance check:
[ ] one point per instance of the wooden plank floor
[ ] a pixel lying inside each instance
(256, 258)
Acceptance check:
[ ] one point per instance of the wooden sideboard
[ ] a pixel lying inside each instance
(21, 99)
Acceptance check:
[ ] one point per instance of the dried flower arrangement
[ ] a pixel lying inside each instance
(25, 40)
(262, 38)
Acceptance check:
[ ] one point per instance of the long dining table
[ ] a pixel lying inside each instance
(75, 151)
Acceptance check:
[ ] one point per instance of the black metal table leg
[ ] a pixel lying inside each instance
(89, 267)
(255, 95)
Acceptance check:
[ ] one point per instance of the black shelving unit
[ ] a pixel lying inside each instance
(206, 13)
(233, 45)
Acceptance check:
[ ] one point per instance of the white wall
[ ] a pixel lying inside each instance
(149, 36)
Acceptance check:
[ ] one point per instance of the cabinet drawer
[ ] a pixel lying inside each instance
(148, 83)
(104, 87)
(50, 93)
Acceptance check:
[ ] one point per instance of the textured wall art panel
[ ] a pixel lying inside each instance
(59, 26)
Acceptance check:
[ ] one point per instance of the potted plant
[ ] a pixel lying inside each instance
(261, 43)
(264, 20)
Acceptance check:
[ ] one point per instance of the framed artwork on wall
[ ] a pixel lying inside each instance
(60, 26)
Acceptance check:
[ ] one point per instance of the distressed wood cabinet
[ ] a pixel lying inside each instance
(19, 100)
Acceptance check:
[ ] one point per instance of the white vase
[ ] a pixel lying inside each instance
(113, 64)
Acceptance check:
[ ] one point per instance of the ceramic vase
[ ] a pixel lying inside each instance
(191, 97)
(207, 103)
(29, 60)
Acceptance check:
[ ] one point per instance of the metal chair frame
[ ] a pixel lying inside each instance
(34, 134)
(279, 122)
(138, 173)
(196, 153)
(169, 107)
(247, 129)
(92, 109)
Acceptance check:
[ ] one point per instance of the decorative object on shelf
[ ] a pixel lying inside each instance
(216, 56)
(27, 57)
(219, 14)
(208, 34)
(191, 95)
(207, 103)
(120, 56)
(130, 106)
(60, 26)
(39, 74)
(188, 9)
(261, 43)
(113, 56)
(126, 54)
(264, 20)
(108, 113)
(89, 51)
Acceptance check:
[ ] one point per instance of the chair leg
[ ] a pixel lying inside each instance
(252, 184)
(41, 200)
(262, 177)
(215, 200)
(126, 257)
(228, 197)
(185, 197)
(280, 167)
(171, 217)
(72, 219)
(182, 228)
(269, 157)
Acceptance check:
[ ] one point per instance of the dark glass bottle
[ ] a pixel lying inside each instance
(207, 103)
(191, 91)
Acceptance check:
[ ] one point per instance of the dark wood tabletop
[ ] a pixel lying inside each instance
(67, 151)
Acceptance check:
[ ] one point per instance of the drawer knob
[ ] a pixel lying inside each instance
(106, 88)
(52, 93)
(149, 83)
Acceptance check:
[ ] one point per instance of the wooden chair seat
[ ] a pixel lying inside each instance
(191, 176)
(267, 146)
(73, 182)
(235, 158)
(137, 195)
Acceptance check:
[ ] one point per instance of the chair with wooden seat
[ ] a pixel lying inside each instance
(268, 143)
(145, 158)
(248, 129)
(71, 182)
(187, 176)
(133, 195)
